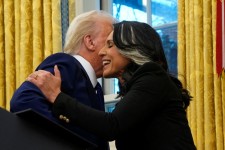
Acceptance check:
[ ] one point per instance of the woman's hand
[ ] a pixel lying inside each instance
(48, 83)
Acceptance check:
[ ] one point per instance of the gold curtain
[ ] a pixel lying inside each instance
(72, 13)
(197, 71)
(30, 30)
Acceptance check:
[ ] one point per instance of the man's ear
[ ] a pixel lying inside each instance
(89, 43)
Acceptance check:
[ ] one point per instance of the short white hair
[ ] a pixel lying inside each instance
(82, 25)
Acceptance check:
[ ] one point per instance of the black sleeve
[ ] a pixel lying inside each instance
(138, 105)
(95, 121)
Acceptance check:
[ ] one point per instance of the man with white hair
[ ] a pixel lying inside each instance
(80, 66)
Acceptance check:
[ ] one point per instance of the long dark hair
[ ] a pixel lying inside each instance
(141, 43)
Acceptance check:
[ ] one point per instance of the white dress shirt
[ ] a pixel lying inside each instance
(88, 68)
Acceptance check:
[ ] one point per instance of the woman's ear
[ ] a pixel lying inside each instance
(89, 43)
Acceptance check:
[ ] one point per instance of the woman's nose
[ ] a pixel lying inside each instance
(102, 52)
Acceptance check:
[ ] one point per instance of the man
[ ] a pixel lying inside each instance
(80, 67)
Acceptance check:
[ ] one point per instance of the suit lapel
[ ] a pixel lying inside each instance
(91, 91)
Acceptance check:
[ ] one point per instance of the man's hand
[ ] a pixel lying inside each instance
(48, 83)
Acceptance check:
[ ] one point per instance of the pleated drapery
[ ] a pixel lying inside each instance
(72, 13)
(197, 71)
(30, 30)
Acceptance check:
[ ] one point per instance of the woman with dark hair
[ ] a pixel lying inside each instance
(151, 113)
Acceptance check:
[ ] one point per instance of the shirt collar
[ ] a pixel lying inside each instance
(88, 68)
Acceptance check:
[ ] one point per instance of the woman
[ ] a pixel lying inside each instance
(151, 113)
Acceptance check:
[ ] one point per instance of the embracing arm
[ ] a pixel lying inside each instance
(130, 112)
(64, 105)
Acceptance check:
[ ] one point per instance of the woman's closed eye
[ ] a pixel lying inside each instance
(110, 43)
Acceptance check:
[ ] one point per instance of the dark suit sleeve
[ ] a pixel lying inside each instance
(29, 96)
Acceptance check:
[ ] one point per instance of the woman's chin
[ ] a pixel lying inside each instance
(108, 75)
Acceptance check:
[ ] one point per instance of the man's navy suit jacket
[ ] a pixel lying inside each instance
(75, 82)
